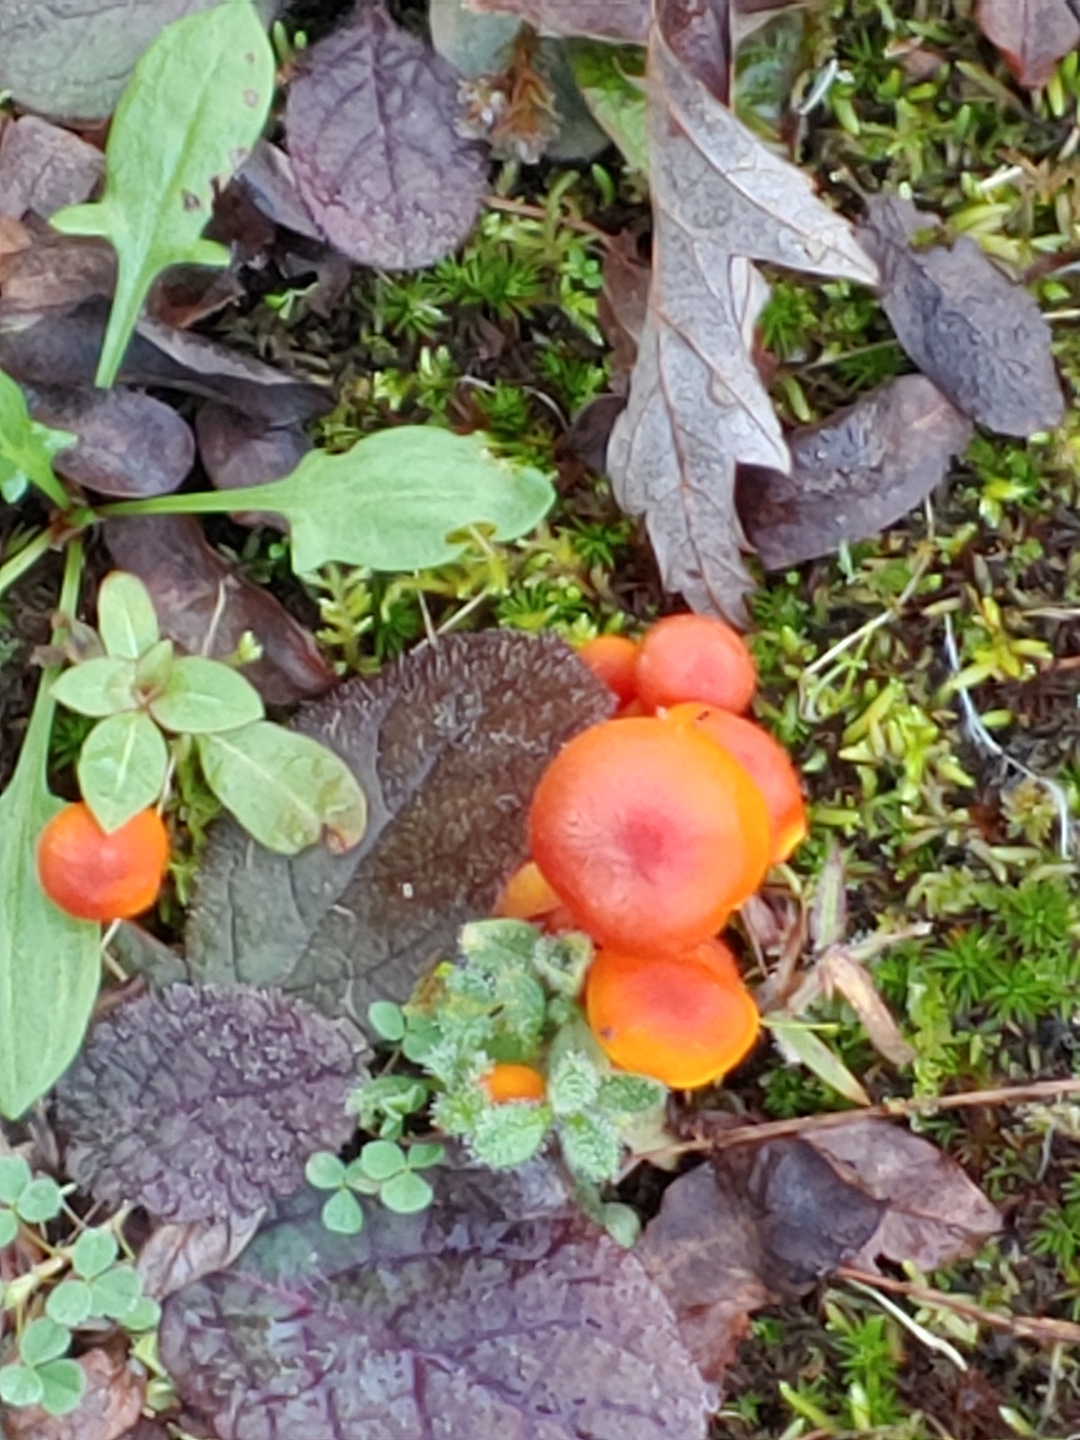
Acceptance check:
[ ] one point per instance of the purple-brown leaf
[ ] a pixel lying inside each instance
(853, 474)
(626, 20)
(238, 449)
(1032, 35)
(43, 168)
(204, 1104)
(378, 162)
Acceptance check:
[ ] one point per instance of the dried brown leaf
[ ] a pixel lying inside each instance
(698, 33)
(840, 971)
(188, 582)
(110, 1406)
(1032, 35)
(853, 474)
(178, 1254)
(238, 449)
(43, 168)
(603, 19)
(51, 276)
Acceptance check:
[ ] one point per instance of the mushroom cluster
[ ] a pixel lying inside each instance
(648, 831)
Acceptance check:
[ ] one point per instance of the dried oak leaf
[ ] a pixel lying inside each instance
(129, 444)
(697, 404)
(201, 1103)
(196, 593)
(1032, 35)
(853, 474)
(43, 167)
(72, 58)
(462, 1321)
(111, 1403)
(979, 336)
(375, 153)
(179, 1254)
(448, 744)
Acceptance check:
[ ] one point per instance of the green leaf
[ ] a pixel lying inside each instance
(798, 1044)
(204, 697)
(507, 1135)
(612, 80)
(9, 1227)
(145, 1314)
(195, 105)
(573, 1084)
(284, 788)
(41, 1200)
(116, 1293)
(154, 668)
(93, 1253)
(122, 767)
(20, 1386)
(50, 963)
(127, 620)
(625, 1095)
(324, 1170)
(343, 1213)
(15, 1176)
(387, 1020)
(104, 686)
(70, 1304)
(64, 1384)
(380, 1159)
(43, 1340)
(422, 1156)
(591, 1147)
(406, 1193)
(27, 449)
(622, 1223)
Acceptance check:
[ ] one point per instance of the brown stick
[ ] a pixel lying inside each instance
(1029, 1327)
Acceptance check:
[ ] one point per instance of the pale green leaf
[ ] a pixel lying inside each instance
(204, 697)
(43, 1340)
(27, 448)
(116, 1293)
(387, 1020)
(127, 620)
(40, 1201)
(507, 1135)
(63, 1386)
(50, 962)
(380, 1159)
(20, 1386)
(122, 768)
(612, 80)
(70, 1304)
(285, 789)
(406, 1193)
(103, 686)
(324, 1170)
(93, 1253)
(803, 1046)
(145, 1314)
(9, 1227)
(15, 1176)
(196, 104)
(343, 1214)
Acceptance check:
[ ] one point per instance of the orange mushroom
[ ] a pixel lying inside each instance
(695, 657)
(767, 762)
(613, 660)
(670, 1017)
(650, 833)
(526, 895)
(507, 1082)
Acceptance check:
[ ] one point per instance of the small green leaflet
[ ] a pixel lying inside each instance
(49, 963)
(389, 503)
(122, 768)
(195, 105)
(612, 80)
(27, 449)
(126, 617)
(800, 1045)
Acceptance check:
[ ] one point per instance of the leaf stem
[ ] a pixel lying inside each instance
(15, 568)
(36, 742)
(199, 502)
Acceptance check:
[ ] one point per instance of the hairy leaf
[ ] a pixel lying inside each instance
(448, 744)
(203, 1104)
(377, 158)
(979, 336)
(853, 474)
(196, 104)
(74, 57)
(697, 404)
(472, 1319)
(1032, 35)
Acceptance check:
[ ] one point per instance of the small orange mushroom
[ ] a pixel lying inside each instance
(613, 660)
(695, 657)
(670, 1017)
(95, 874)
(650, 833)
(507, 1082)
(526, 895)
(768, 764)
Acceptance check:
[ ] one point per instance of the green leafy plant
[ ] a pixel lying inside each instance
(383, 1169)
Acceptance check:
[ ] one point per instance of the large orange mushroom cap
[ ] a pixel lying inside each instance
(695, 657)
(95, 875)
(670, 1017)
(650, 833)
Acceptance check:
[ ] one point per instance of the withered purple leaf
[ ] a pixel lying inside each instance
(374, 148)
(129, 444)
(195, 592)
(179, 1254)
(626, 20)
(463, 1320)
(852, 474)
(202, 1103)
(978, 335)
(448, 744)
(238, 449)
(43, 167)
(1032, 35)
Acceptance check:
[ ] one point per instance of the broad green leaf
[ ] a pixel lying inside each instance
(803, 1046)
(507, 1135)
(406, 1193)
(27, 449)
(204, 697)
(127, 621)
(63, 1385)
(49, 962)
(15, 1176)
(380, 1159)
(387, 1020)
(324, 1170)
(145, 1314)
(20, 1386)
(423, 1156)
(612, 80)
(389, 503)
(43, 1340)
(343, 1214)
(285, 789)
(70, 1304)
(93, 1253)
(116, 1293)
(40, 1201)
(9, 1227)
(154, 667)
(104, 686)
(122, 768)
(196, 103)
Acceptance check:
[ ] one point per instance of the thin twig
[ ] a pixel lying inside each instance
(537, 212)
(1043, 1329)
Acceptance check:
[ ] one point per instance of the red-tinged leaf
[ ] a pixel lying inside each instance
(1032, 35)
(187, 580)
(979, 336)
(129, 444)
(43, 168)
(853, 474)
(471, 1319)
(448, 744)
(378, 161)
